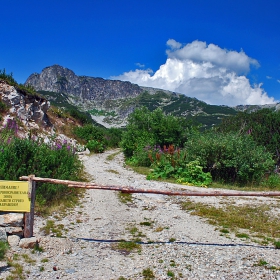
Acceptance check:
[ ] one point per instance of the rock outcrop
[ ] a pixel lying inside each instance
(28, 108)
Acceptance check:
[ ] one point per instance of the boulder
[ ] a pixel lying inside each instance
(11, 219)
(14, 231)
(28, 243)
(13, 240)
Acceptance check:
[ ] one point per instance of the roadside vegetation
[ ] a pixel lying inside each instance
(97, 138)
(20, 157)
(175, 149)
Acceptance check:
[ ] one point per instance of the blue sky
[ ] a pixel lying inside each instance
(222, 52)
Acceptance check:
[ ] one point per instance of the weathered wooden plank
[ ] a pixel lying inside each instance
(29, 216)
(178, 193)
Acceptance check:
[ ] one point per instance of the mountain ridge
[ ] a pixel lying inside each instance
(111, 101)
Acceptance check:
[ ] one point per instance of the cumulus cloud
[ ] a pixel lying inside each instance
(207, 72)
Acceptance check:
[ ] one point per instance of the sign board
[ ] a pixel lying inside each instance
(14, 196)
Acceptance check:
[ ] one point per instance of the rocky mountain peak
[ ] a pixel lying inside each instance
(59, 79)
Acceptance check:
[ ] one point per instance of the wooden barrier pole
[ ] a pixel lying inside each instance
(126, 189)
(179, 193)
(29, 217)
(53, 181)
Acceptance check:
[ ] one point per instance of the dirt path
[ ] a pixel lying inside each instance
(174, 242)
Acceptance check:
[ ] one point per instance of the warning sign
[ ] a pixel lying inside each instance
(14, 196)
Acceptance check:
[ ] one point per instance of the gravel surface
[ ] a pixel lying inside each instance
(174, 244)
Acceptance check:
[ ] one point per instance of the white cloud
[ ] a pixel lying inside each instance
(207, 72)
(173, 44)
(140, 65)
(278, 81)
(269, 77)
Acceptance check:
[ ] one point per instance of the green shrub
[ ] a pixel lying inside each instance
(229, 157)
(150, 128)
(95, 146)
(262, 125)
(3, 107)
(89, 132)
(112, 137)
(107, 137)
(83, 117)
(272, 182)
(193, 174)
(171, 163)
(141, 150)
(22, 157)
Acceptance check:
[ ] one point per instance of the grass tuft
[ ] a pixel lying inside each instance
(148, 274)
(125, 197)
(277, 244)
(112, 156)
(3, 249)
(51, 227)
(127, 246)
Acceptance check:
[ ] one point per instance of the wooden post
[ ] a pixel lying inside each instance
(29, 217)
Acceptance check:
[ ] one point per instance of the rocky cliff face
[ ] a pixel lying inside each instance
(59, 79)
(28, 108)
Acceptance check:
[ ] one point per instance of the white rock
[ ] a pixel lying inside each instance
(13, 240)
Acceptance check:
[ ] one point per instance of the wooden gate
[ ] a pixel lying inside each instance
(29, 217)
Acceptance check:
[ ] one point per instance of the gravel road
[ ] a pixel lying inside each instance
(174, 244)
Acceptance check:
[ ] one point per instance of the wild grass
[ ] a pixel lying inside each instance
(255, 220)
(126, 246)
(277, 244)
(136, 233)
(170, 274)
(140, 169)
(147, 224)
(16, 272)
(3, 249)
(125, 198)
(270, 184)
(112, 171)
(27, 259)
(112, 156)
(51, 227)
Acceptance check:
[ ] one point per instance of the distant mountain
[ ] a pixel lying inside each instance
(111, 101)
